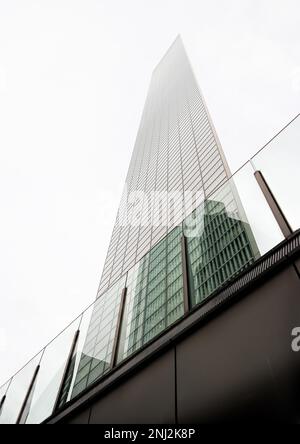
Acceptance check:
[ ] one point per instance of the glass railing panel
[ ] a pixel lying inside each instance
(154, 295)
(52, 370)
(230, 229)
(17, 392)
(98, 331)
(68, 391)
(279, 162)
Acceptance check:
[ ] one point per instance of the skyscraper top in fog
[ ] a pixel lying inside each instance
(176, 150)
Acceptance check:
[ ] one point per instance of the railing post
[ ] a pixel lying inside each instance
(185, 275)
(2, 403)
(66, 370)
(27, 401)
(273, 204)
(118, 329)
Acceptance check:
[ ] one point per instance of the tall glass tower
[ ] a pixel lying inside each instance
(177, 158)
(176, 149)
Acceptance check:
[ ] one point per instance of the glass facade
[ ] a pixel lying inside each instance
(154, 294)
(154, 301)
(96, 356)
(223, 246)
(176, 150)
(219, 245)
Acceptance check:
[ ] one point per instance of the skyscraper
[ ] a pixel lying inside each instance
(176, 188)
(176, 149)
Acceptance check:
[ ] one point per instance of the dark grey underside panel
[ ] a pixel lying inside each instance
(148, 397)
(241, 366)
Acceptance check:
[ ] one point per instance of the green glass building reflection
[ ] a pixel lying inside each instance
(225, 247)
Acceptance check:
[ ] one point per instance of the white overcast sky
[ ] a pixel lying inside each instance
(73, 80)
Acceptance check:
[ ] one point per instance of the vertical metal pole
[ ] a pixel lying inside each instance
(66, 370)
(186, 291)
(22, 415)
(2, 403)
(118, 329)
(273, 204)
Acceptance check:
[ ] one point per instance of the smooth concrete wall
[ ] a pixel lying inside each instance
(238, 366)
